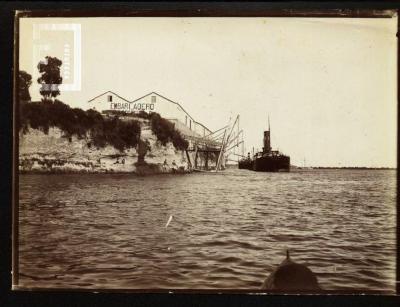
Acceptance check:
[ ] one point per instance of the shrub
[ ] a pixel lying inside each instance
(102, 131)
(115, 112)
(166, 132)
(143, 114)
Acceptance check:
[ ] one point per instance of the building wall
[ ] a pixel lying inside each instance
(164, 107)
(102, 103)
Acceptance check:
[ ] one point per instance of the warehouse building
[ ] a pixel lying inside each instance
(152, 102)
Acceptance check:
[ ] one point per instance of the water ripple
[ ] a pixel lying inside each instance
(229, 230)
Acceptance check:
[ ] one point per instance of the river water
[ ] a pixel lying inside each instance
(229, 230)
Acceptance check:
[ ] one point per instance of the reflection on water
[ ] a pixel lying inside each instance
(229, 230)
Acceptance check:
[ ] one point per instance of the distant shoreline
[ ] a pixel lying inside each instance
(348, 167)
(332, 167)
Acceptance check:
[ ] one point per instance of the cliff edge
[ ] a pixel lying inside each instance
(55, 152)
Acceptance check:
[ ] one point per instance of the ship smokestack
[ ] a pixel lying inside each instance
(267, 139)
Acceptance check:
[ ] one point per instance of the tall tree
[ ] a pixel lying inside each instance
(24, 82)
(50, 77)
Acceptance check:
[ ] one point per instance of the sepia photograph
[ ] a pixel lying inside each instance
(248, 154)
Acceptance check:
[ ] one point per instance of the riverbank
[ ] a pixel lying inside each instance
(54, 153)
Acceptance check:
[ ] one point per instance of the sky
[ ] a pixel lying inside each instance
(328, 85)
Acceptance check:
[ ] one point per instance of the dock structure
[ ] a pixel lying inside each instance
(214, 149)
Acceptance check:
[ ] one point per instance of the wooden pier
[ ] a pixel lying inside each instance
(215, 148)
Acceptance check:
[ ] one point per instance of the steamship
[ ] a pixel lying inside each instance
(246, 163)
(267, 160)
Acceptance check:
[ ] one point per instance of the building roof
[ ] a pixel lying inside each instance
(155, 93)
(111, 93)
(203, 126)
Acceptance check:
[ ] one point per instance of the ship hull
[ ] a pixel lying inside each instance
(272, 164)
(245, 165)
